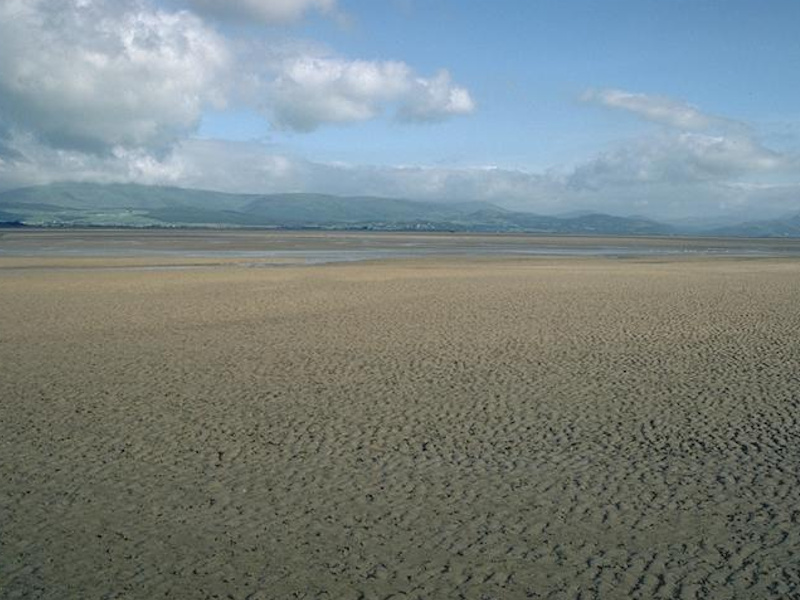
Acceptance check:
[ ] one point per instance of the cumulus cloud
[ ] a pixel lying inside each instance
(97, 74)
(435, 99)
(309, 91)
(658, 109)
(264, 11)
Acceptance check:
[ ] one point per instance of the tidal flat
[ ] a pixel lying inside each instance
(492, 426)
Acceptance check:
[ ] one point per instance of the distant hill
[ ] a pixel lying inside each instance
(301, 210)
(130, 205)
(788, 227)
(115, 204)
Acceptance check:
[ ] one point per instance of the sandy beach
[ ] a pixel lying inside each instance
(477, 428)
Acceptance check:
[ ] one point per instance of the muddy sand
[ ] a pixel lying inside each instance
(439, 428)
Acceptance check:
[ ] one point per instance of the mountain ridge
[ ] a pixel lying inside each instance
(134, 205)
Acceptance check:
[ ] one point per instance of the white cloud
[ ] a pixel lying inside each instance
(256, 168)
(677, 158)
(696, 148)
(264, 11)
(34, 162)
(102, 74)
(309, 91)
(435, 99)
(658, 109)
(96, 74)
(253, 167)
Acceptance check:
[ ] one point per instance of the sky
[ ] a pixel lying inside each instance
(671, 109)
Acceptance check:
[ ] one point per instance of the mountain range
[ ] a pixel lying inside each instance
(132, 205)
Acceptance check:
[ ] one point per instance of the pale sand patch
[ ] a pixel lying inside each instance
(152, 263)
(432, 429)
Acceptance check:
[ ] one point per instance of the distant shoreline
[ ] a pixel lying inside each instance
(265, 247)
(16, 225)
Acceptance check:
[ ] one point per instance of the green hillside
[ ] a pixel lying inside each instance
(129, 205)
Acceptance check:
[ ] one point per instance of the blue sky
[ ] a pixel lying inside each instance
(669, 108)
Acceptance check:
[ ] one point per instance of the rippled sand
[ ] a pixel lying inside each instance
(478, 429)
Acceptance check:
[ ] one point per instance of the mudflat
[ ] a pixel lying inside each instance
(435, 428)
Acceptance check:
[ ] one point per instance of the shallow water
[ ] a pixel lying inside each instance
(267, 248)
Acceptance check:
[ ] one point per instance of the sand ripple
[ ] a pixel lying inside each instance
(490, 429)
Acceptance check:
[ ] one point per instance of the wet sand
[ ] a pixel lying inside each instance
(341, 246)
(471, 428)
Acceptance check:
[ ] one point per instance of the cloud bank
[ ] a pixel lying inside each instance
(692, 147)
(677, 158)
(254, 167)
